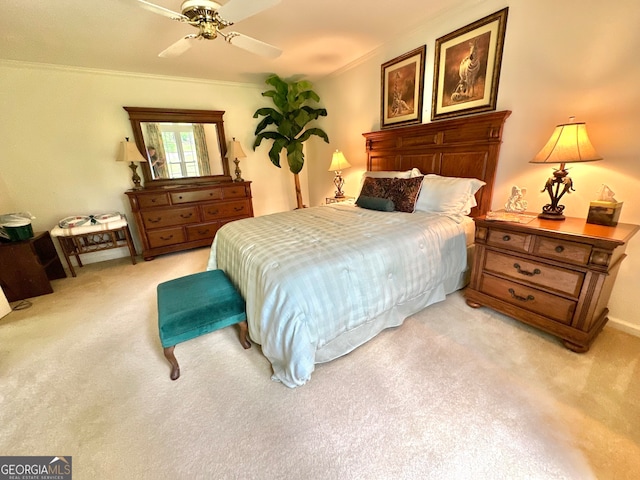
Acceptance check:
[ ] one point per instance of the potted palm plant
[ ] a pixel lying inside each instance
(291, 118)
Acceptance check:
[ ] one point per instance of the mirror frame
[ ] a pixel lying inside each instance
(138, 115)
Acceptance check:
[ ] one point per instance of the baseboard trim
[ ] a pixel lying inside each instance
(630, 328)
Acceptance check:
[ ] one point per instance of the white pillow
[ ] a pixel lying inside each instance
(448, 195)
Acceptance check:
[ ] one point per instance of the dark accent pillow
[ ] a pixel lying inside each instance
(404, 193)
(375, 203)
(376, 187)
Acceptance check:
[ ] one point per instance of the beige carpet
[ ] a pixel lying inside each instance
(453, 393)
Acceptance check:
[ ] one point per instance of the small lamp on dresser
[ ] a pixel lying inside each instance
(338, 163)
(129, 153)
(236, 152)
(569, 143)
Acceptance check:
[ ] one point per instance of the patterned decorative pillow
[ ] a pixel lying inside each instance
(376, 187)
(404, 193)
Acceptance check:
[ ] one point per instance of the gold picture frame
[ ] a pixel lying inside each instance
(402, 89)
(467, 68)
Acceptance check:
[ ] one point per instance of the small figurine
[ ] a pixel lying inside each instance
(605, 194)
(516, 202)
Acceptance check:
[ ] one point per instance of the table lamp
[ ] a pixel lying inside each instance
(569, 143)
(338, 163)
(129, 153)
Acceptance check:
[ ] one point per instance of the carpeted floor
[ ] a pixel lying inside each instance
(452, 393)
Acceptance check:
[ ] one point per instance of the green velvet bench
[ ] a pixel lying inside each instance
(195, 305)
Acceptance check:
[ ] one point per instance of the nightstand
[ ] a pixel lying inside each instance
(28, 266)
(330, 200)
(554, 275)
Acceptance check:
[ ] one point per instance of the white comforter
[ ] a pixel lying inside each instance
(318, 282)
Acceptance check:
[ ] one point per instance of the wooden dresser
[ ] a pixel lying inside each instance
(174, 218)
(554, 275)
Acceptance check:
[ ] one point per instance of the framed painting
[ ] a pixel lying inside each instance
(467, 68)
(402, 87)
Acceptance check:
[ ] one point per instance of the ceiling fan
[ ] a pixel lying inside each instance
(211, 18)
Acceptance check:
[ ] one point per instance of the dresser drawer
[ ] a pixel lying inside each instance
(164, 237)
(548, 305)
(535, 273)
(170, 217)
(562, 250)
(228, 209)
(200, 232)
(196, 196)
(234, 192)
(511, 240)
(155, 200)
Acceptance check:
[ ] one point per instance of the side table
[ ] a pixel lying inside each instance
(94, 238)
(554, 275)
(27, 266)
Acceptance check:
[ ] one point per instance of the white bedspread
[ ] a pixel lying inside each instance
(318, 282)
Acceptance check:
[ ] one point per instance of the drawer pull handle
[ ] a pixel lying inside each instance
(238, 209)
(215, 212)
(151, 220)
(559, 249)
(203, 232)
(506, 238)
(536, 271)
(187, 215)
(519, 297)
(166, 238)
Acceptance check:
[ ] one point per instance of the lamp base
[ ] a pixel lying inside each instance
(556, 186)
(238, 172)
(551, 216)
(338, 181)
(135, 178)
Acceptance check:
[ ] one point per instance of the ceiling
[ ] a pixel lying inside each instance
(317, 37)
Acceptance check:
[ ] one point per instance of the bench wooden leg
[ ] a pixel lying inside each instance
(175, 368)
(244, 331)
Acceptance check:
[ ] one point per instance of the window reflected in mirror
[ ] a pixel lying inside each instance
(182, 150)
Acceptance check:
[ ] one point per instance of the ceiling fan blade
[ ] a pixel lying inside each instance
(152, 7)
(236, 10)
(252, 45)
(179, 47)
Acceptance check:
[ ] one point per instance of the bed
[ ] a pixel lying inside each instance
(321, 281)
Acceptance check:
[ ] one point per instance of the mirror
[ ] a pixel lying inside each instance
(180, 145)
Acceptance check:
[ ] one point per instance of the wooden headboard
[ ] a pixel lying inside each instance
(462, 147)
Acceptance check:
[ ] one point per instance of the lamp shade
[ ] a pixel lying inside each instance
(235, 150)
(128, 152)
(338, 162)
(569, 143)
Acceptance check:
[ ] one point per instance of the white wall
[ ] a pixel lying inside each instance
(561, 58)
(60, 129)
